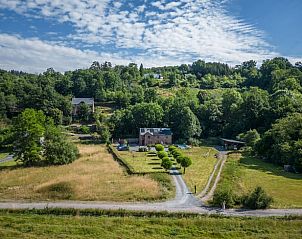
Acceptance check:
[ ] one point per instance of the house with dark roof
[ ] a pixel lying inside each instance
(151, 136)
(76, 102)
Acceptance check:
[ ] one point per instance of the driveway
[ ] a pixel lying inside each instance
(9, 157)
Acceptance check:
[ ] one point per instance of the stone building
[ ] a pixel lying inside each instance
(151, 136)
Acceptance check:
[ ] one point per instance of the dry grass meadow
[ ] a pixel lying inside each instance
(94, 176)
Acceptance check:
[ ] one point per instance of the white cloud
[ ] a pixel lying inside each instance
(181, 32)
(34, 55)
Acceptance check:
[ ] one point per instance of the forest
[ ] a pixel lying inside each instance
(259, 104)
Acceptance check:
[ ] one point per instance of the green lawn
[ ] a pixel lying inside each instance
(203, 162)
(141, 162)
(31, 226)
(246, 173)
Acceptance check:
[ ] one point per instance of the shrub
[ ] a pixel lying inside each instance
(103, 131)
(159, 147)
(179, 159)
(84, 129)
(224, 196)
(176, 153)
(166, 163)
(172, 148)
(58, 150)
(162, 154)
(258, 199)
(194, 142)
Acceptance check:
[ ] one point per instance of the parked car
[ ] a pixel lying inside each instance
(183, 146)
(122, 148)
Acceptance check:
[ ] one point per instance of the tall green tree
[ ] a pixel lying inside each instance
(29, 130)
(184, 123)
(282, 144)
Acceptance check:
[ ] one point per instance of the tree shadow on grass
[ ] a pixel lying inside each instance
(254, 163)
(90, 142)
(154, 163)
(10, 167)
(157, 168)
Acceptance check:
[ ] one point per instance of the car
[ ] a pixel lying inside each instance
(122, 148)
(183, 146)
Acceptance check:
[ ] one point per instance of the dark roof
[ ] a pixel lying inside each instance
(155, 131)
(88, 101)
(233, 141)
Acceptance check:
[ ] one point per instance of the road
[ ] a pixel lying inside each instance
(7, 158)
(184, 201)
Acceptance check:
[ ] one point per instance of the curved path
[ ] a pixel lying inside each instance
(184, 201)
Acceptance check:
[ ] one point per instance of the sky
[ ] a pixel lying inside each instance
(71, 34)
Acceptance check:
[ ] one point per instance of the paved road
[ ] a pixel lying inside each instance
(184, 201)
(7, 158)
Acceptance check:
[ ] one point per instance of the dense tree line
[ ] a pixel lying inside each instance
(197, 101)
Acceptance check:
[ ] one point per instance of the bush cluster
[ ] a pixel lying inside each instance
(257, 199)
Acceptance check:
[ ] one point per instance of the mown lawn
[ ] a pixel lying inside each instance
(94, 176)
(45, 226)
(203, 162)
(248, 173)
(141, 162)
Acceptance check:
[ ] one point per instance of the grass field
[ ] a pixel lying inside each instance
(246, 173)
(50, 226)
(203, 161)
(94, 176)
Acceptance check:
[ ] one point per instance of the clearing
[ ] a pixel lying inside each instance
(15, 225)
(244, 173)
(94, 176)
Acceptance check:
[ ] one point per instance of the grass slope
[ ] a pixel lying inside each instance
(203, 162)
(45, 226)
(95, 176)
(246, 173)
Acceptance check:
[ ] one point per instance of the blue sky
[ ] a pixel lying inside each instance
(70, 34)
